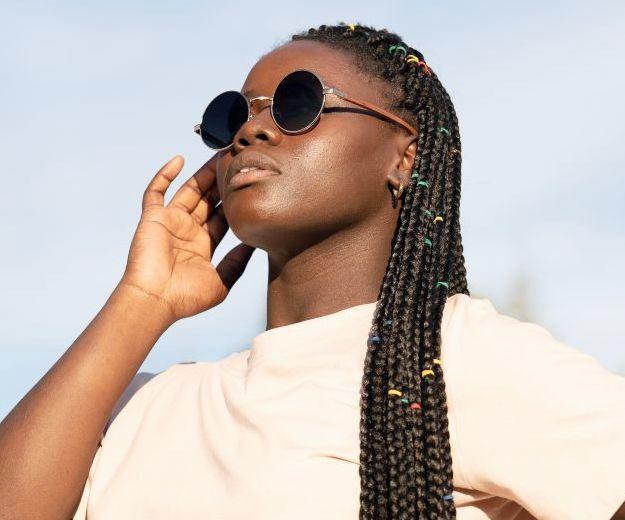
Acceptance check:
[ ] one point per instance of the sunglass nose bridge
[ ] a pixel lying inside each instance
(268, 100)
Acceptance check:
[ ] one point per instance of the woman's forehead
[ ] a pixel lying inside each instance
(335, 67)
(273, 66)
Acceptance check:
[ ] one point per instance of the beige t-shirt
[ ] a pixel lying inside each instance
(537, 427)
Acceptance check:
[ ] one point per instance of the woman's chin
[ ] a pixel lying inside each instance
(253, 217)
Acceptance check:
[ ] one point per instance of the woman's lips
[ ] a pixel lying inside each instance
(244, 178)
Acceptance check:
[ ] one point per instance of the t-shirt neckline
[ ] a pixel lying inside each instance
(304, 335)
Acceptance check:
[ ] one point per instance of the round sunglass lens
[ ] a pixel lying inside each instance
(222, 119)
(297, 101)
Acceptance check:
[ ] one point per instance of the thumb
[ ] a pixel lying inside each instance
(234, 263)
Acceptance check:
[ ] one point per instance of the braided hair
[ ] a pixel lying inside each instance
(405, 457)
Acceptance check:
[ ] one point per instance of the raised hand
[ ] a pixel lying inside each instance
(171, 252)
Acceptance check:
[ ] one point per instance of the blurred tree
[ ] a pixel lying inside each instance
(517, 301)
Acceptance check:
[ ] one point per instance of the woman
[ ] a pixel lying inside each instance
(380, 388)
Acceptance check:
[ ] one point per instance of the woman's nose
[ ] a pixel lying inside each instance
(260, 128)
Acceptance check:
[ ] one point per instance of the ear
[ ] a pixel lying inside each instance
(401, 174)
(408, 156)
(405, 164)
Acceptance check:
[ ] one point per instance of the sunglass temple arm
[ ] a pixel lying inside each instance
(337, 92)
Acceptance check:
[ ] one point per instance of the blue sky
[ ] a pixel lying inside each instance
(97, 96)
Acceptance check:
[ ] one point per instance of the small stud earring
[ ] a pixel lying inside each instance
(397, 194)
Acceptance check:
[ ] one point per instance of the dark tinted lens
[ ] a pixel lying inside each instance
(297, 100)
(222, 119)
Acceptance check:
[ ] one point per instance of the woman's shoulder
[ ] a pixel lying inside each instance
(487, 351)
(169, 384)
(470, 310)
(530, 410)
(474, 324)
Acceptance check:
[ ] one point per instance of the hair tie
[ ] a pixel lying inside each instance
(413, 406)
(351, 26)
(448, 497)
(411, 58)
(437, 361)
(394, 48)
(428, 242)
(415, 175)
(388, 322)
(427, 212)
(427, 372)
(443, 129)
(374, 340)
(438, 217)
(446, 284)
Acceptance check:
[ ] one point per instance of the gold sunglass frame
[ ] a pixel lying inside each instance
(325, 92)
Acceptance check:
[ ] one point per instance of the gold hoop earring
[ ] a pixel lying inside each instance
(397, 194)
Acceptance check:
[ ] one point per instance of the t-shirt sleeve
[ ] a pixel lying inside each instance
(539, 422)
(81, 511)
(135, 384)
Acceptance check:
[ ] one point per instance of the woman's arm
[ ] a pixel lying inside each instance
(620, 514)
(49, 439)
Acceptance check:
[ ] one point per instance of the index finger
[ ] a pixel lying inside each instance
(154, 194)
(190, 193)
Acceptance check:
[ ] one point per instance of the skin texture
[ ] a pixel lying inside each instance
(326, 222)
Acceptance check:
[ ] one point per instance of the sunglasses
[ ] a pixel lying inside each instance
(296, 106)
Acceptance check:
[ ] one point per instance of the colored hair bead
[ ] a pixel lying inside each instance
(411, 58)
(448, 497)
(415, 175)
(427, 372)
(394, 48)
(437, 361)
(438, 217)
(392, 391)
(443, 129)
(428, 242)
(351, 26)
(446, 284)
(415, 406)
(374, 340)
(427, 212)
(404, 400)
(423, 183)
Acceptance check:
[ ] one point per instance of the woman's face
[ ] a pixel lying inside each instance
(331, 177)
